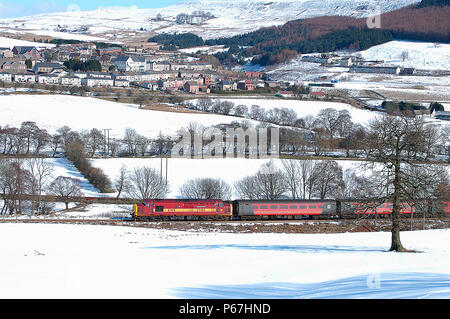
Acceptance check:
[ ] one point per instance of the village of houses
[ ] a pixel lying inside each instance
(120, 69)
(151, 69)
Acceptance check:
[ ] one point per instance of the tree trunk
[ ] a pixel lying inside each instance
(396, 244)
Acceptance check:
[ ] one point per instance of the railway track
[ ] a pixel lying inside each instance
(260, 226)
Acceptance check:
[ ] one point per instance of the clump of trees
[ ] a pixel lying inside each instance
(141, 183)
(180, 41)
(76, 153)
(296, 179)
(20, 178)
(77, 65)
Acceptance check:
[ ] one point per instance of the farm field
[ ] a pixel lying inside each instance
(96, 261)
(82, 113)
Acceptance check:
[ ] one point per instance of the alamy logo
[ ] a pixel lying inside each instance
(373, 281)
(252, 143)
(374, 18)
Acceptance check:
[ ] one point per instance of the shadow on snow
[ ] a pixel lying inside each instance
(383, 286)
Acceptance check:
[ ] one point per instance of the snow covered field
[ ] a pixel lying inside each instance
(81, 113)
(10, 43)
(419, 55)
(54, 111)
(74, 261)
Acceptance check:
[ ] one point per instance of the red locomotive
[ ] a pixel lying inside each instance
(179, 207)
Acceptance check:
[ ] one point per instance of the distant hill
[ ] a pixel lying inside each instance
(324, 34)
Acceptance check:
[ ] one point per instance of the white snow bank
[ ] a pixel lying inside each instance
(74, 261)
(419, 55)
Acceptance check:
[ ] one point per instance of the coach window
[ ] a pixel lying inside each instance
(312, 206)
(263, 207)
(292, 206)
(273, 206)
(284, 207)
(159, 208)
(303, 207)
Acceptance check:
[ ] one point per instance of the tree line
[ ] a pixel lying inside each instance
(77, 65)
(328, 133)
(33, 176)
(177, 41)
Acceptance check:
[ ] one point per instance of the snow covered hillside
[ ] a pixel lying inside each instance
(231, 17)
(10, 43)
(83, 260)
(408, 54)
(54, 111)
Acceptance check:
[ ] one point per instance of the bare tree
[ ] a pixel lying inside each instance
(245, 188)
(305, 176)
(271, 185)
(67, 188)
(393, 147)
(328, 179)
(293, 170)
(145, 183)
(404, 55)
(206, 188)
(121, 182)
(333, 122)
(40, 173)
(95, 139)
(240, 110)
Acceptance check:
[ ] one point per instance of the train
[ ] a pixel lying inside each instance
(151, 209)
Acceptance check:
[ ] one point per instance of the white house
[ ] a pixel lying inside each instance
(103, 75)
(48, 79)
(121, 83)
(125, 63)
(71, 80)
(96, 82)
(25, 77)
(5, 77)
